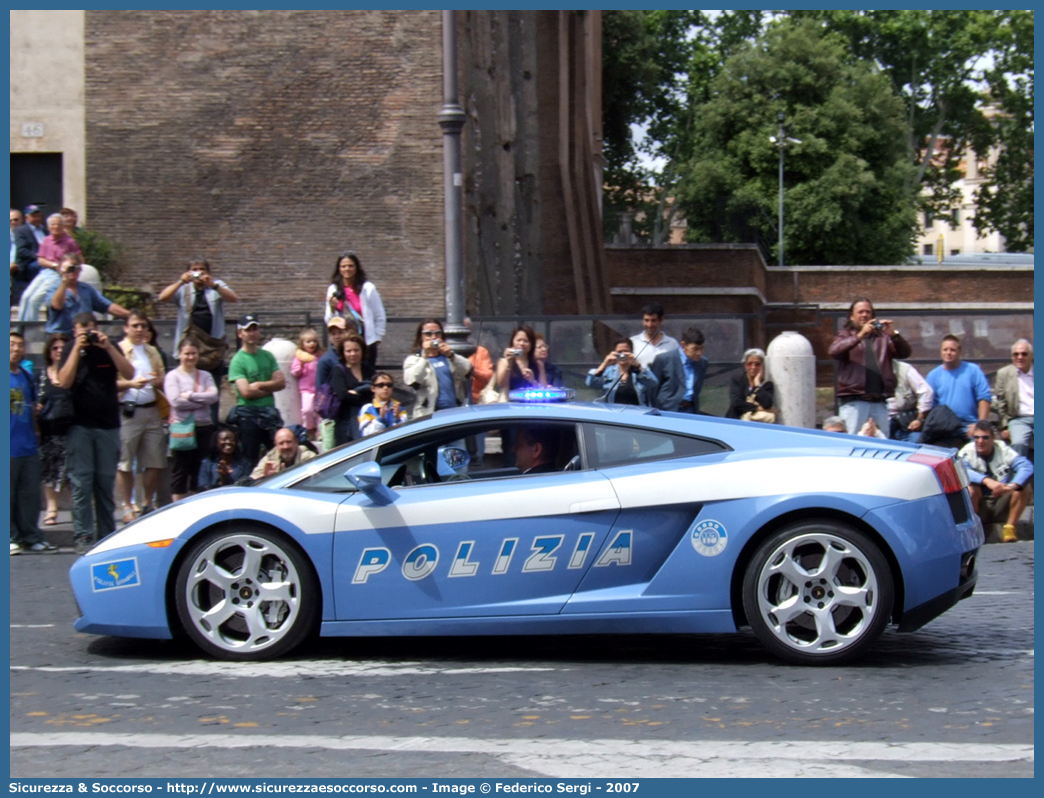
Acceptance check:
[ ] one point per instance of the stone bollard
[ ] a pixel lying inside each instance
(288, 400)
(791, 365)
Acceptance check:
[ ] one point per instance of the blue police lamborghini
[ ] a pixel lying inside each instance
(533, 519)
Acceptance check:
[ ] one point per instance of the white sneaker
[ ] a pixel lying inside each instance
(15, 548)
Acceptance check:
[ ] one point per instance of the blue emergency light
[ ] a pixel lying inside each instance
(541, 395)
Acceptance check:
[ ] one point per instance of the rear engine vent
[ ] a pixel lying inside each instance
(878, 454)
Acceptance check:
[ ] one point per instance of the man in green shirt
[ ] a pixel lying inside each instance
(256, 376)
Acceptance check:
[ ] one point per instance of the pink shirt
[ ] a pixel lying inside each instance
(54, 248)
(305, 373)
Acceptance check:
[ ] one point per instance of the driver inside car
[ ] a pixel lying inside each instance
(536, 449)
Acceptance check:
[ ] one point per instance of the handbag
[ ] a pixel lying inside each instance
(764, 416)
(491, 395)
(57, 414)
(211, 350)
(183, 435)
(327, 402)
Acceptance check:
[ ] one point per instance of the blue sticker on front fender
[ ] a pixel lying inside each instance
(115, 575)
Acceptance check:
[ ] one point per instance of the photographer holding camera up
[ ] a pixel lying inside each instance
(623, 378)
(864, 350)
(93, 441)
(70, 298)
(201, 301)
(435, 372)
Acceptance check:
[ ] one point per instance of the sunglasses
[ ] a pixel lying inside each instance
(982, 437)
(1020, 354)
(431, 333)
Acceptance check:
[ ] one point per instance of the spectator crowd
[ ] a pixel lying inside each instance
(109, 419)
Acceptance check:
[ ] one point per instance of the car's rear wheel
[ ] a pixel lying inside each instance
(245, 594)
(818, 593)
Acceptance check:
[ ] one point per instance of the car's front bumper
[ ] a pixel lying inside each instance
(122, 592)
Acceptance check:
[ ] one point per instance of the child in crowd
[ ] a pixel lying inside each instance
(303, 368)
(383, 412)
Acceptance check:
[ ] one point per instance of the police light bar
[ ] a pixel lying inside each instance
(538, 395)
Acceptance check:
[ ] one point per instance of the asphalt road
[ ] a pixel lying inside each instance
(953, 699)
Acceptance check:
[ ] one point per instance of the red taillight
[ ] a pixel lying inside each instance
(944, 469)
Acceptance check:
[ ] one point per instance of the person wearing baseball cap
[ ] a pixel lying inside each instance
(256, 377)
(336, 329)
(27, 239)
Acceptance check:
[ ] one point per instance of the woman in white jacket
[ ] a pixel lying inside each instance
(437, 374)
(352, 296)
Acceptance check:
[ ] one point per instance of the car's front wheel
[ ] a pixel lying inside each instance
(246, 594)
(818, 593)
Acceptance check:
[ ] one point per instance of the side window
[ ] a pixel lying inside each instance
(473, 452)
(331, 479)
(609, 445)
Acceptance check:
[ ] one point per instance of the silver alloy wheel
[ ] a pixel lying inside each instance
(818, 593)
(242, 594)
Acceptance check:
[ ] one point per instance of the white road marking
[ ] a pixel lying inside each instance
(580, 758)
(33, 625)
(313, 668)
(1004, 593)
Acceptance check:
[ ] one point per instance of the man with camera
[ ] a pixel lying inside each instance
(864, 350)
(70, 298)
(144, 409)
(201, 302)
(89, 370)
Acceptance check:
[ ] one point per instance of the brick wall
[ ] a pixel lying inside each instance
(269, 142)
(990, 307)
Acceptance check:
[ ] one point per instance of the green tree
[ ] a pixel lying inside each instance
(847, 186)
(645, 56)
(657, 70)
(966, 79)
(1005, 201)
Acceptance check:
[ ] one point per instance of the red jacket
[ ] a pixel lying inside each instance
(847, 349)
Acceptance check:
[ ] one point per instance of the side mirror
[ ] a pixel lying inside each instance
(367, 478)
(453, 462)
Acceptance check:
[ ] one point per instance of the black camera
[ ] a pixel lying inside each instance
(93, 337)
(128, 408)
(877, 325)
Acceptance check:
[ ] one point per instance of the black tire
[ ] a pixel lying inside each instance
(245, 594)
(818, 592)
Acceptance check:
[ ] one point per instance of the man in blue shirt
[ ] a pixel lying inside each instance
(960, 385)
(70, 298)
(25, 458)
(680, 373)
